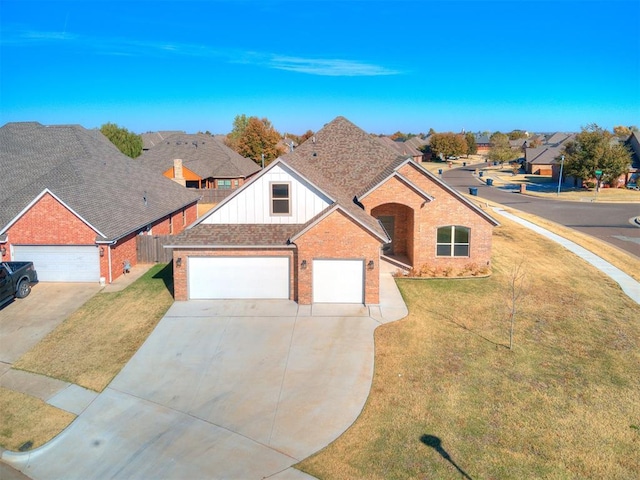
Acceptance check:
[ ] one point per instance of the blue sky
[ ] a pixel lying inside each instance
(386, 65)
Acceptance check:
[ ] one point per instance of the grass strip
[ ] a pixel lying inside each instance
(91, 346)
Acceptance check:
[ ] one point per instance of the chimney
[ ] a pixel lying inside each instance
(178, 176)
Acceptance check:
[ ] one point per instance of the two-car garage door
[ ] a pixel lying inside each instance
(238, 277)
(61, 263)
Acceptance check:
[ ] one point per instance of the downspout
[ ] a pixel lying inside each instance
(109, 261)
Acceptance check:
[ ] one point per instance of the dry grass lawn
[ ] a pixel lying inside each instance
(93, 344)
(15, 432)
(449, 399)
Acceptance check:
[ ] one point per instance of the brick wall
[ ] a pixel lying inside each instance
(338, 237)
(180, 274)
(444, 210)
(48, 222)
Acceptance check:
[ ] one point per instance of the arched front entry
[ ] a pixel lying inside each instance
(398, 221)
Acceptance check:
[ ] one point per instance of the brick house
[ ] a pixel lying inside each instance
(314, 225)
(74, 205)
(199, 161)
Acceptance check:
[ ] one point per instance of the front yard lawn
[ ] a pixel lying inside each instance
(449, 400)
(92, 345)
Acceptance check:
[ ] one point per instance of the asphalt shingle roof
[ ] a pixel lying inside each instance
(112, 192)
(203, 154)
(241, 235)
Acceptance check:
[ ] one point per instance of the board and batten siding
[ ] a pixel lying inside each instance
(252, 203)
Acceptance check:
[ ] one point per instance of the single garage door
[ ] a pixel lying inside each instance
(338, 281)
(238, 277)
(61, 263)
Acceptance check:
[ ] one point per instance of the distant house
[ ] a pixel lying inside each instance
(483, 143)
(151, 139)
(633, 144)
(74, 205)
(199, 161)
(403, 148)
(545, 160)
(315, 225)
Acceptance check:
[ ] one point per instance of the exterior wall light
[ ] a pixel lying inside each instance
(303, 265)
(3, 251)
(102, 251)
(179, 262)
(370, 265)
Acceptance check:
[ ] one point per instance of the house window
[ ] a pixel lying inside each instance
(224, 183)
(170, 225)
(453, 241)
(235, 183)
(280, 199)
(184, 217)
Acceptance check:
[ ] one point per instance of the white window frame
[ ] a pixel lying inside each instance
(272, 199)
(453, 244)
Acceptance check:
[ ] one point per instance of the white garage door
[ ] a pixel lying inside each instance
(338, 281)
(61, 263)
(238, 277)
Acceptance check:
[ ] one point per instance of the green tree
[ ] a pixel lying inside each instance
(253, 137)
(622, 132)
(517, 134)
(448, 144)
(127, 142)
(594, 149)
(501, 150)
(472, 146)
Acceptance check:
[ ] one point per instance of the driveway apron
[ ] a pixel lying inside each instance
(223, 389)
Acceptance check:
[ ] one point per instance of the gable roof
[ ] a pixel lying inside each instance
(545, 155)
(109, 191)
(151, 139)
(402, 148)
(205, 155)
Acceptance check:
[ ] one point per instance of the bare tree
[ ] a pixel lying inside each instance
(517, 291)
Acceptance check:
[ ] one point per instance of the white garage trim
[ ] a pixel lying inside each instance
(61, 263)
(338, 281)
(238, 277)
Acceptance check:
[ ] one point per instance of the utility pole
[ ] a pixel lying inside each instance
(560, 177)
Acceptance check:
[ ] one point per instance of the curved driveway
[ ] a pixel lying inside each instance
(609, 222)
(225, 389)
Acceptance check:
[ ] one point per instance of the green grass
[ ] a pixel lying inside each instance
(93, 344)
(560, 405)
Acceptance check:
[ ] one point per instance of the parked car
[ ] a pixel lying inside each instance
(633, 186)
(16, 279)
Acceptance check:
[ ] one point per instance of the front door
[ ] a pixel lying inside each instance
(388, 222)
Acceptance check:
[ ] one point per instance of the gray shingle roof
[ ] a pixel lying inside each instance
(113, 193)
(203, 154)
(241, 235)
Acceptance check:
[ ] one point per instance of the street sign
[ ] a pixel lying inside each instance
(598, 172)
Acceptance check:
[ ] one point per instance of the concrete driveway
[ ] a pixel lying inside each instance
(225, 389)
(24, 322)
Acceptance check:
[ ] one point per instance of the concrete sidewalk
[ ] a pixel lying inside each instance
(629, 286)
(225, 389)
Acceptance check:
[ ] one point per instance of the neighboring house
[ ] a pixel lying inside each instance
(403, 148)
(483, 143)
(199, 161)
(151, 139)
(633, 144)
(311, 226)
(74, 205)
(545, 160)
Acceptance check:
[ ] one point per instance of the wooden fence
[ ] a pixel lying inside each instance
(150, 248)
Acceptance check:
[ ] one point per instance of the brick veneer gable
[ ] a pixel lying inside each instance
(49, 222)
(445, 209)
(338, 237)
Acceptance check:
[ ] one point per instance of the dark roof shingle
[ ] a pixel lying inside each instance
(113, 193)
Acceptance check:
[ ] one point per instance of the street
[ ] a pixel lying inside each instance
(610, 222)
